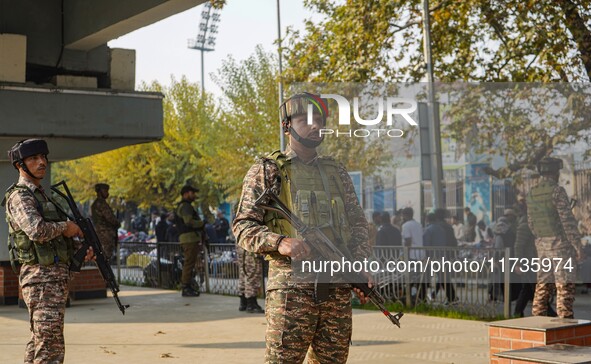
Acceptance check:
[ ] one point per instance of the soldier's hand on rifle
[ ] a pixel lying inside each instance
(89, 254)
(362, 298)
(72, 230)
(294, 248)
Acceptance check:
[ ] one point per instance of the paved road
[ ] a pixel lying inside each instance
(162, 327)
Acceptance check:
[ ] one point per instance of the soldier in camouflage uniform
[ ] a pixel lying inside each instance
(303, 318)
(190, 226)
(555, 228)
(250, 270)
(105, 221)
(40, 240)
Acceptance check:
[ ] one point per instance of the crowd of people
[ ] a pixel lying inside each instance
(513, 230)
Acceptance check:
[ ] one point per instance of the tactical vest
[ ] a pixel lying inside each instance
(315, 193)
(187, 234)
(543, 214)
(26, 251)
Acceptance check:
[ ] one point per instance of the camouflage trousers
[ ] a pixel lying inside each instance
(565, 298)
(46, 303)
(108, 239)
(193, 259)
(558, 277)
(108, 250)
(250, 272)
(297, 326)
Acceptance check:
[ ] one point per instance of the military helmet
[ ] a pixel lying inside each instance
(26, 148)
(101, 186)
(549, 165)
(298, 105)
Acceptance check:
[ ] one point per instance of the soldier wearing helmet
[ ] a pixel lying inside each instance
(554, 226)
(303, 317)
(40, 239)
(105, 221)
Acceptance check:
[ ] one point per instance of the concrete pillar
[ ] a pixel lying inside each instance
(13, 57)
(122, 69)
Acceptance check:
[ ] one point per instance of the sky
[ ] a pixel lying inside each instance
(161, 48)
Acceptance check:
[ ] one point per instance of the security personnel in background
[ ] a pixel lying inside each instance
(40, 239)
(552, 222)
(105, 221)
(189, 225)
(302, 317)
(250, 272)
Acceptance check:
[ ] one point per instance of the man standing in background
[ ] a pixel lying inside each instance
(222, 227)
(190, 225)
(105, 221)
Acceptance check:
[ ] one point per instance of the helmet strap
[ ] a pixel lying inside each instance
(308, 143)
(22, 164)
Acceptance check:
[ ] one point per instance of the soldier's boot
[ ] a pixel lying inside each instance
(189, 292)
(242, 306)
(252, 306)
(196, 287)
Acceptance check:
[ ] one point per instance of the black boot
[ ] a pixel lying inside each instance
(242, 306)
(252, 306)
(188, 291)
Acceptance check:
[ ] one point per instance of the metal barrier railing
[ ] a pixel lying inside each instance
(415, 275)
(474, 288)
(160, 265)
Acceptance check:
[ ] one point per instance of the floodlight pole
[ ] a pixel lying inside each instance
(434, 129)
(201, 41)
(280, 51)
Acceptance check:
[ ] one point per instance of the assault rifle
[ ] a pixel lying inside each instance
(322, 245)
(90, 240)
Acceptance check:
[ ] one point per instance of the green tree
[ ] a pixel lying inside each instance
(153, 173)
(473, 40)
(248, 126)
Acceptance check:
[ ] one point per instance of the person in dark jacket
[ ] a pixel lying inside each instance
(444, 281)
(525, 247)
(505, 230)
(161, 228)
(469, 228)
(388, 234)
(450, 237)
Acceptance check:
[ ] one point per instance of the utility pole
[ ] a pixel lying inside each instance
(434, 129)
(280, 51)
(205, 41)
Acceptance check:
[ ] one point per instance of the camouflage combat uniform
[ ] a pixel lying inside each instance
(250, 271)
(556, 237)
(297, 323)
(44, 286)
(191, 241)
(106, 225)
